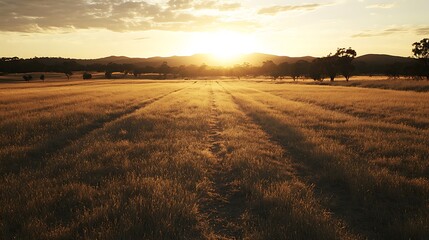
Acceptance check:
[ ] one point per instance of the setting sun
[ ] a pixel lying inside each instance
(225, 46)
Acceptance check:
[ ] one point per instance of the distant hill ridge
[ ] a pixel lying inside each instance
(382, 59)
(255, 59)
(198, 59)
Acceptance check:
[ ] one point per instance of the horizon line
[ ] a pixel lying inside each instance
(192, 55)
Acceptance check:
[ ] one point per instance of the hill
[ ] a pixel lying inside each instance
(255, 59)
(382, 59)
(197, 59)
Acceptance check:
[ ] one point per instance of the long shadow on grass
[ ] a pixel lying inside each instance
(375, 214)
(35, 157)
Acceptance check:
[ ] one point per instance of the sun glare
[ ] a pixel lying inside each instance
(225, 46)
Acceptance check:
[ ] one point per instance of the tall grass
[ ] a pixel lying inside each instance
(347, 159)
(212, 160)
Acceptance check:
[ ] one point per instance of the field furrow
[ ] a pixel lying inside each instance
(211, 159)
(32, 156)
(221, 204)
(276, 198)
(350, 187)
(135, 171)
(395, 147)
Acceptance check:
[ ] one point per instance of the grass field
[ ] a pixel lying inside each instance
(380, 82)
(130, 159)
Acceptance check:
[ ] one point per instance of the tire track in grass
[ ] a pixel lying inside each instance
(343, 111)
(279, 164)
(223, 203)
(32, 95)
(422, 126)
(48, 84)
(69, 100)
(375, 125)
(293, 143)
(34, 111)
(34, 158)
(347, 191)
(306, 223)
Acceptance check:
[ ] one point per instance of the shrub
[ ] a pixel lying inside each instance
(87, 75)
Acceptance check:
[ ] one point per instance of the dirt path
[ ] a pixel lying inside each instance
(223, 203)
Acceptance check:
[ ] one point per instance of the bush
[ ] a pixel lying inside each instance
(87, 75)
(27, 77)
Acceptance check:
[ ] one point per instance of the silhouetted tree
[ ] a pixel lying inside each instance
(269, 68)
(87, 75)
(240, 70)
(345, 58)
(67, 68)
(283, 69)
(164, 69)
(108, 74)
(68, 74)
(202, 70)
(394, 70)
(299, 69)
(330, 65)
(137, 72)
(27, 77)
(316, 71)
(42, 77)
(421, 52)
(127, 68)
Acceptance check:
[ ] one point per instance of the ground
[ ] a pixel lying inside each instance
(212, 159)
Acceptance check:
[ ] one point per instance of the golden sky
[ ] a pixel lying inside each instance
(134, 28)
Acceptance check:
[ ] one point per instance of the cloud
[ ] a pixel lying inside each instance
(422, 31)
(141, 38)
(277, 9)
(384, 32)
(418, 30)
(198, 5)
(381, 5)
(228, 6)
(114, 15)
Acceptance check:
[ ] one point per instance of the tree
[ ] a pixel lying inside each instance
(108, 74)
(137, 72)
(240, 70)
(394, 70)
(316, 70)
(269, 68)
(164, 69)
(421, 52)
(68, 73)
(284, 69)
(68, 67)
(87, 75)
(299, 69)
(330, 65)
(42, 77)
(27, 77)
(345, 58)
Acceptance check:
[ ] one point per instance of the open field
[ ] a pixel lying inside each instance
(381, 82)
(222, 159)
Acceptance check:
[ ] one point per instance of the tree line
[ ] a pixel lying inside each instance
(341, 63)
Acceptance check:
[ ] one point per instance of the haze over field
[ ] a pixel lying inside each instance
(99, 28)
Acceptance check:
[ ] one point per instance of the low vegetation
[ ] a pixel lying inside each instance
(341, 63)
(218, 159)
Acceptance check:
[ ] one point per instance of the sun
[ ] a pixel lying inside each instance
(225, 46)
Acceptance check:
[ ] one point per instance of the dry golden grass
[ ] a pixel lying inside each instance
(380, 82)
(212, 160)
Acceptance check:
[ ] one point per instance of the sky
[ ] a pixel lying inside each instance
(134, 28)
